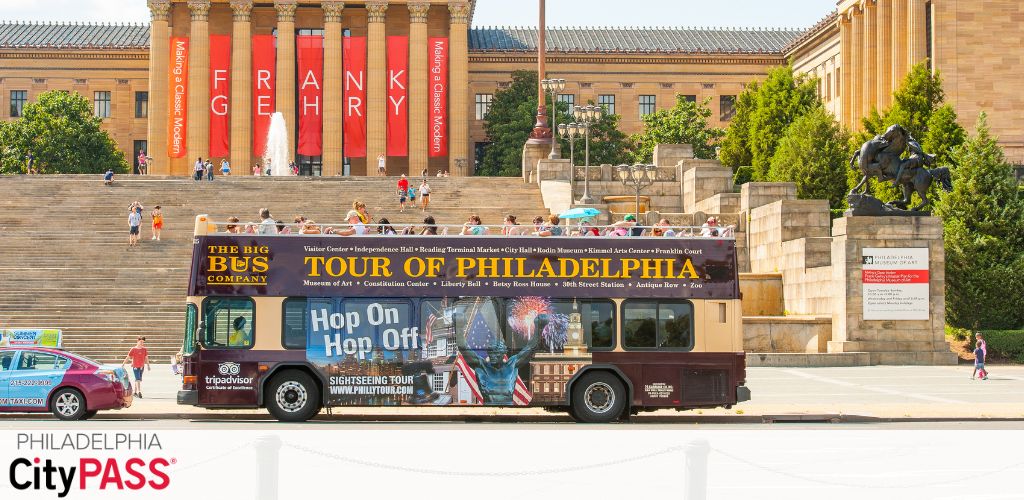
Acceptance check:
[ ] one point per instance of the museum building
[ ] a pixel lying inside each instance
(413, 80)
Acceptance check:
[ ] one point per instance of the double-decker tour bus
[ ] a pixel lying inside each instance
(600, 327)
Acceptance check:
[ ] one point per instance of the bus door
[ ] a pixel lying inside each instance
(226, 371)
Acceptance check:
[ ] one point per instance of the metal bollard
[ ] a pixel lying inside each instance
(696, 480)
(267, 450)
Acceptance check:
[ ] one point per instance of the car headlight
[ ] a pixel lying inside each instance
(107, 375)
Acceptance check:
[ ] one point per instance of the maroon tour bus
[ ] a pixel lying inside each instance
(600, 327)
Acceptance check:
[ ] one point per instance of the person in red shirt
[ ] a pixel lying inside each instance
(139, 357)
(403, 190)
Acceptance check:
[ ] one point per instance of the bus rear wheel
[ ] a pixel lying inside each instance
(292, 396)
(598, 398)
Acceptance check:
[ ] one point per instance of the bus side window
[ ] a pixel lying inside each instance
(664, 324)
(229, 322)
(598, 318)
(294, 322)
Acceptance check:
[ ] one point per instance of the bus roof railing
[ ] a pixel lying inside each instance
(206, 226)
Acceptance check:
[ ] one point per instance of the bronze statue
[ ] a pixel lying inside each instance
(882, 158)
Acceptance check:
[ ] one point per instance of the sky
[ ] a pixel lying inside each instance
(719, 13)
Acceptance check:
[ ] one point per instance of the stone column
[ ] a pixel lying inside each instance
(845, 75)
(285, 101)
(241, 85)
(899, 42)
(883, 87)
(856, 67)
(869, 71)
(159, 63)
(376, 82)
(458, 109)
(199, 81)
(333, 95)
(418, 127)
(917, 43)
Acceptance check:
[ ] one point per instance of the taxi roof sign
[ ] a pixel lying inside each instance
(31, 337)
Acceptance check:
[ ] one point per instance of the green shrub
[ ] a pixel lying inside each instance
(1006, 343)
(960, 334)
(836, 213)
(744, 175)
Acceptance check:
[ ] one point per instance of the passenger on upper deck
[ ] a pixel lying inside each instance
(474, 226)
(551, 228)
(267, 223)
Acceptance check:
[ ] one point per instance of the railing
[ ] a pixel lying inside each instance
(205, 226)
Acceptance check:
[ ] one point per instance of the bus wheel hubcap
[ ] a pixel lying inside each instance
(67, 404)
(599, 397)
(291, 396)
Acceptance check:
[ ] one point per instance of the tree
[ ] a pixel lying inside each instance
(62, 135)
(510, 120)
(763, 112)
(813, 153)
(684, 123)
(943, 135)
(984, 237)
(735, 148)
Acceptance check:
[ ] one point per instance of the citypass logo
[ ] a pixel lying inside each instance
(45, 471)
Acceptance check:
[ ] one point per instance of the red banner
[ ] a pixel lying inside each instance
(178, 88)
(438, 53)
(220, 92)
(264, 62)
(355, 96)
(311, 74)
(398, 96)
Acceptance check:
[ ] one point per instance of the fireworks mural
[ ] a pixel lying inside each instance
(523, 310)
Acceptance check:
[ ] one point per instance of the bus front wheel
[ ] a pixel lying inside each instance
(292, 396)
(598, 398)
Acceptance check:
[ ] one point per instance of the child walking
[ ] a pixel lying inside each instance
(979, 363)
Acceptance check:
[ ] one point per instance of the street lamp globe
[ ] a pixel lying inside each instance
(563, 130)
(559, 84)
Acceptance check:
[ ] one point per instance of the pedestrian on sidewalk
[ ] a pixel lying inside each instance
(382, 165)
(134, 223)
(979, 363)
(403, 191)
(979, 342)
(225, 167)
(139, 357)
(108, 178)
(158, 222)
(208, 169)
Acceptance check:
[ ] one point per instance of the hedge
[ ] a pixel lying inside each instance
(1006, 343)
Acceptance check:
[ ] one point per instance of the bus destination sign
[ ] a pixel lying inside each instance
(415, 266)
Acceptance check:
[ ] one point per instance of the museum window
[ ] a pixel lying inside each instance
(828, 87)
(483, 105)
(101, 104)
(839, 84)
(230, 323)
(142, 104)
(569, 99)
(727, 108)
(690, 98)
(18, 100)
(608, 101)
(929, 33)
(657, 324)
(293, 322)
(648, 105)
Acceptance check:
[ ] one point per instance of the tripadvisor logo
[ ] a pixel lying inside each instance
(237, 265)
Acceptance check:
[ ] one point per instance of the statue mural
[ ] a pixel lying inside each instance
(882, 158)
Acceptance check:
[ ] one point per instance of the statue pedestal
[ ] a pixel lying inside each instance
(889, 279)
(532, 153)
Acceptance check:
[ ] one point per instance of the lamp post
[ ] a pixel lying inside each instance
(570, 131)
(588, 116)
(552, 86)
(640, 177)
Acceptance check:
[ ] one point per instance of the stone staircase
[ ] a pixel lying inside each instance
(64, 261)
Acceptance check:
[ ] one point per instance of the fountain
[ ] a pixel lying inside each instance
(276, 157)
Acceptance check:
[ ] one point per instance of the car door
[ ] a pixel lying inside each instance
(37, 374)
(7, 365)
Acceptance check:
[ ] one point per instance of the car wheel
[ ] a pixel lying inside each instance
(598, 398)
(68, 404)
(292, 396)
(89, 414)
